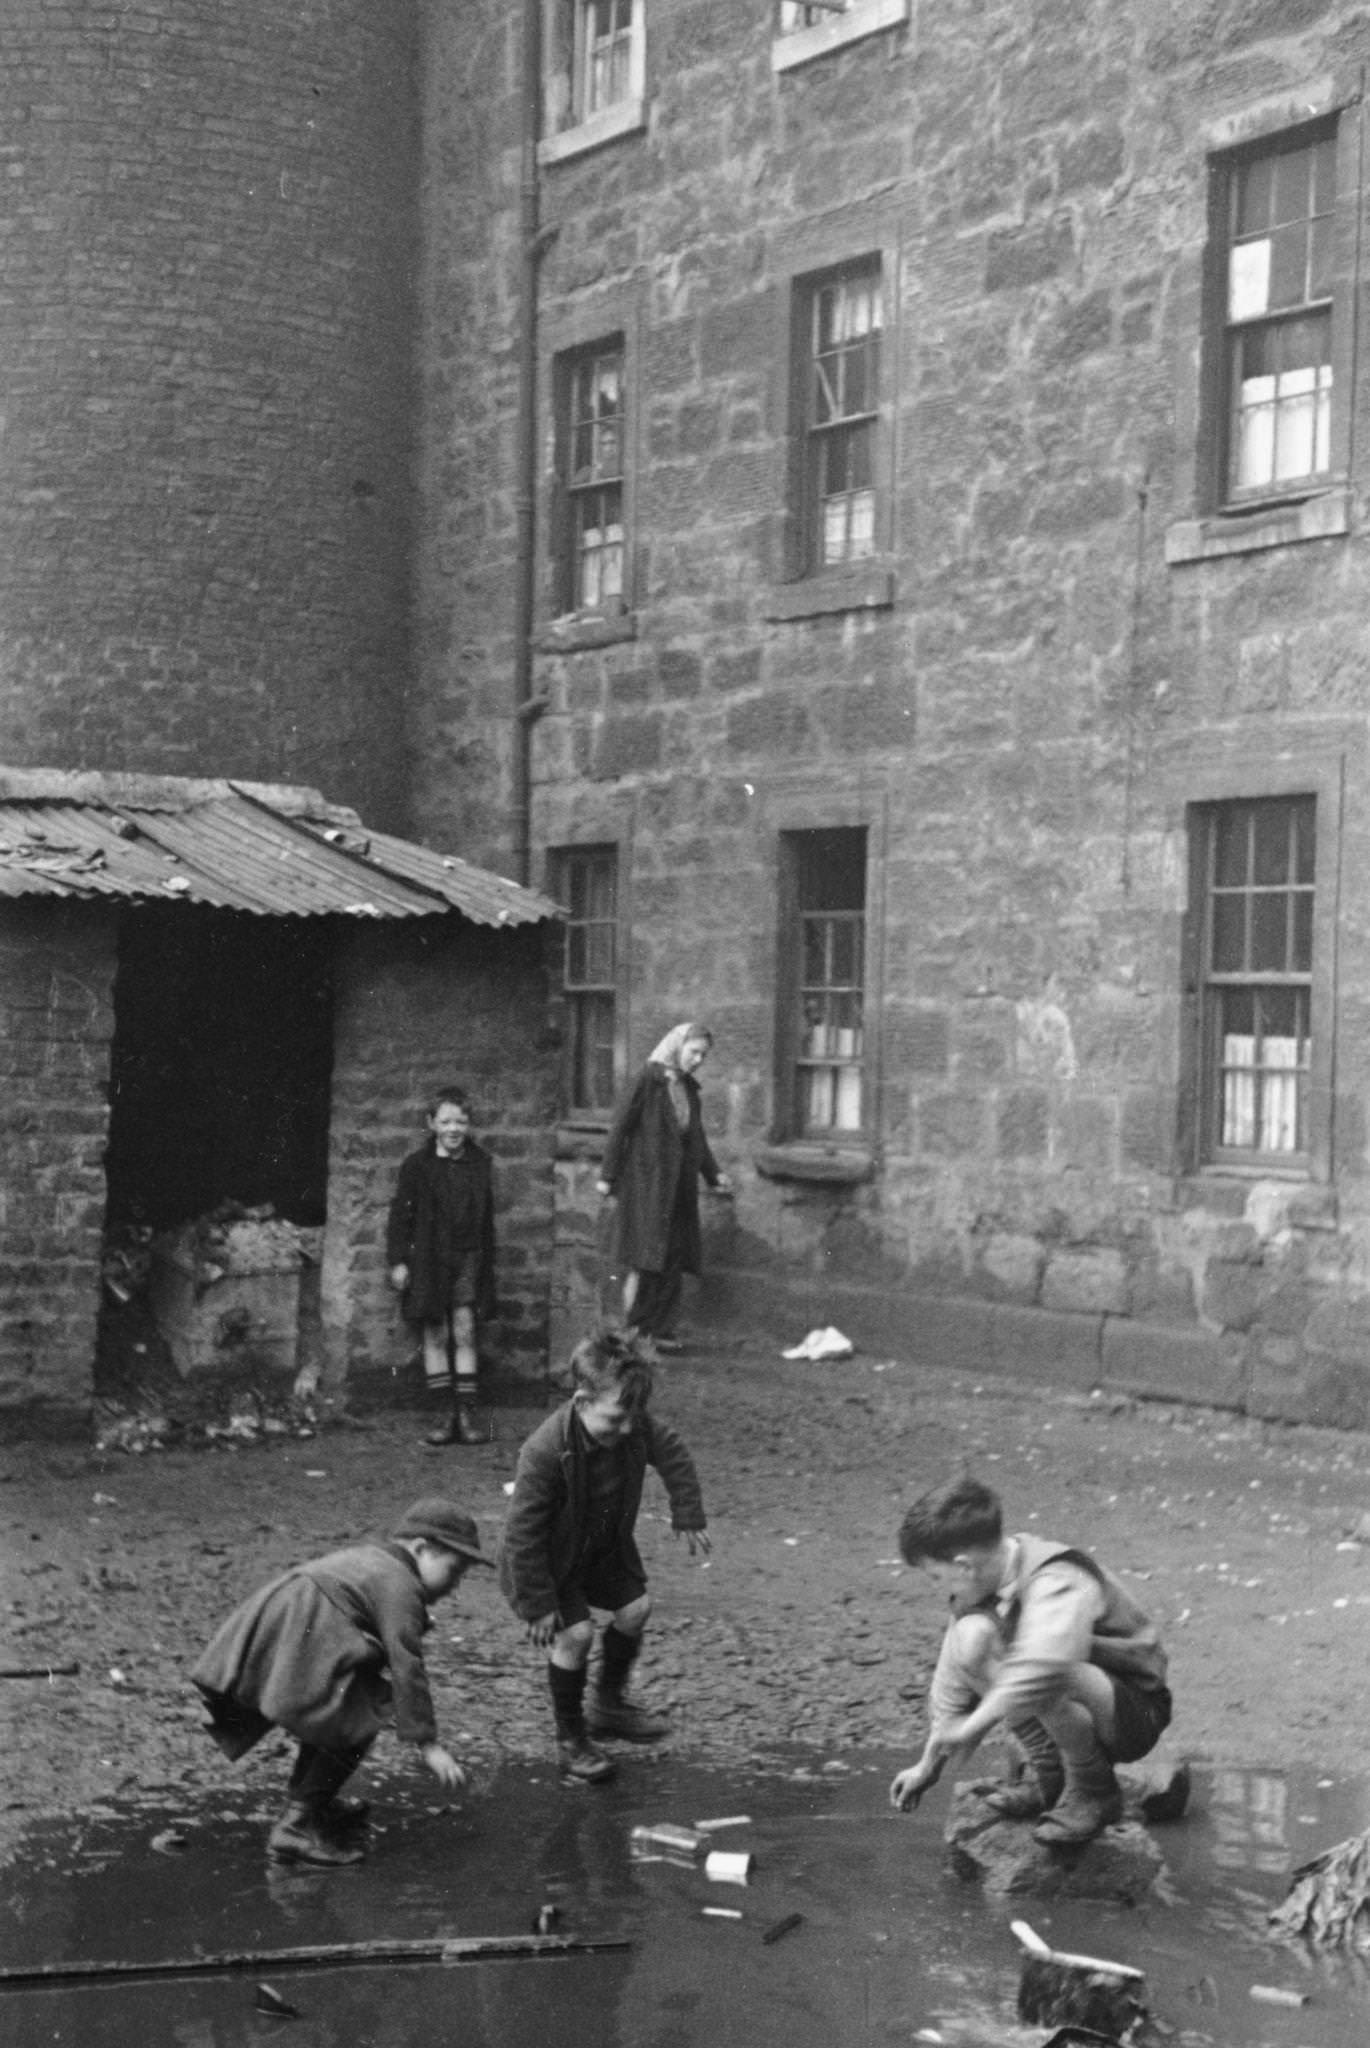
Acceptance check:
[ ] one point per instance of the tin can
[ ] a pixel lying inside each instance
(728, 1866)
(665, 1835)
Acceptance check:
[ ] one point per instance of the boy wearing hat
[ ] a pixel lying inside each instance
(331, 1651)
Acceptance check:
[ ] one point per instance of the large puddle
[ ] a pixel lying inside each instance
(889, 1947)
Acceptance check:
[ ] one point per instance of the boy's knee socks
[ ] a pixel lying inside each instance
(619, 1653)
(568, 1700)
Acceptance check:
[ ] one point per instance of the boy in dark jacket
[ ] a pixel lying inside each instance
(569, 1548)
(1045, 1640)
(440, 1248)
(331, 1650)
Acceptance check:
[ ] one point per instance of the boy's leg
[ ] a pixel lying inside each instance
(303, 1833)
(580, 1758)
(1043, 1781)
(607, 1711)
(1082, 1723)
(459, 1338)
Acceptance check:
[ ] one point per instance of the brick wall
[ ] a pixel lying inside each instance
(207, 214)
(1019, 715)
(56, 1021)
(417, 1006)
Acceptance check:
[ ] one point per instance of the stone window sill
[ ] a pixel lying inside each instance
(863, 18)
(627, 117)
(580, 1141)
(839, 1165)
(863, 588)
(1269, 526)
(579, 630)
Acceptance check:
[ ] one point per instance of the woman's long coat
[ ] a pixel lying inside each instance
(647, 1159)
(415, 1238)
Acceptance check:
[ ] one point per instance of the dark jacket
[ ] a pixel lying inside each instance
(545, 1533)
(647, 1159)
(323, 1650)
(416, 1237)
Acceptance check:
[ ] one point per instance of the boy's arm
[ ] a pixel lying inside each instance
(538, 1489)
(401, 1618)
(399, 1223)
(951, 1697)
(1060, 1605)
(667, 1452)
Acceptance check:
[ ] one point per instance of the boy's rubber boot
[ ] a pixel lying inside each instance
(1091, 1802)
(607, 1712)
(584, 1761)
(459, 1428)
(301, 1836)
(1041, 1786)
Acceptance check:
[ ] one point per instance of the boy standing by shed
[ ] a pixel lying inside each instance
(569, 1550)
(440, 1248)
(1045, 1640)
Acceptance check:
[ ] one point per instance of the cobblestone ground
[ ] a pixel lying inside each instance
(803, 1630)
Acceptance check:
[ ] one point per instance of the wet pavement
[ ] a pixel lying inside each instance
(889, 1947)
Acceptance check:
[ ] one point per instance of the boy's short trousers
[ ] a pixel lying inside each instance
(465, 1279)
(1140, 1720)
(603, 1583)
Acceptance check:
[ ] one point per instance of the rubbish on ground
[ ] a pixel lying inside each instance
(665, 1835)
(269, 2000)
(39, 1670)
(728, 1866)
(780, 1928)
(732, 1820)
(1058, 1989)
(822, 1344)
(720, 1912)
(1276, 1994)
(473, 1948)
(1329, 1898)
(169, 1841)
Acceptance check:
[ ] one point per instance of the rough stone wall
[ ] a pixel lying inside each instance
(419, 1005)
(208, 215)
(56, 1020)
(1020, 727)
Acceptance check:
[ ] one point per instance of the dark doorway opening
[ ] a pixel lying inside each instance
(221, 1065)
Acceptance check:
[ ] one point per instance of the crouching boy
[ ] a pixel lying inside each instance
(1043, 1639)
(331, 1651)
(569, 1550)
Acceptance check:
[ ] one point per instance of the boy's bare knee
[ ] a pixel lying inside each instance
(572, 1646)
(463, 1324)
(632, 1619)
(975, 1638)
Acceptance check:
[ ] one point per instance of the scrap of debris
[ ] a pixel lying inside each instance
(1329, 1898)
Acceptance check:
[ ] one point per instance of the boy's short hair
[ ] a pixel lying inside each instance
(964, 1514)
(458, 1097)
(612, 1360)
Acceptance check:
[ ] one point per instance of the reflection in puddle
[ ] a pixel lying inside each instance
(881, 1946)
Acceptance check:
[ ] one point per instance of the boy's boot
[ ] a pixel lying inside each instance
(581, 1760)
(1041, 1785)
(460, 1426)
(607, 1712)
(301, 1835)
(1091, 1802)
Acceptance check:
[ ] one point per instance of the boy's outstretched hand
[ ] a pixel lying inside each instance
(910, 1785)
(696, 1541)
(443, 1765)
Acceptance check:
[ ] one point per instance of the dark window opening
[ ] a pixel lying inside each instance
(221, 1066)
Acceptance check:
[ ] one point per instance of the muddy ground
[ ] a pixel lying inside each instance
(804, 1629)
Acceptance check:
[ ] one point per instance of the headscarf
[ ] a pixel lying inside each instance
(667, 1055)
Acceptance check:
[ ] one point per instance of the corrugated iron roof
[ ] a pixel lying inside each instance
(259, 847)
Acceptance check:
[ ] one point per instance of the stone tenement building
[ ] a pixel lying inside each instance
(951, 644)
(864, 501)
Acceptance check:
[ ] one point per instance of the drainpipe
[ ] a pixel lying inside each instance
(527, 708)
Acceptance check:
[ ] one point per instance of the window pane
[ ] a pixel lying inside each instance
(1231, 845)
(1304, 840)
(1255, 182)
(815, 968)
(1325, 175)
(1229, 934)
(1320, 260)
(1270, 843)
(1269, 932)
(1290, 188)
(1289, 265)
(832, 870)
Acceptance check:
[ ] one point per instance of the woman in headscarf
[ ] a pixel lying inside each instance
(653, 1161)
